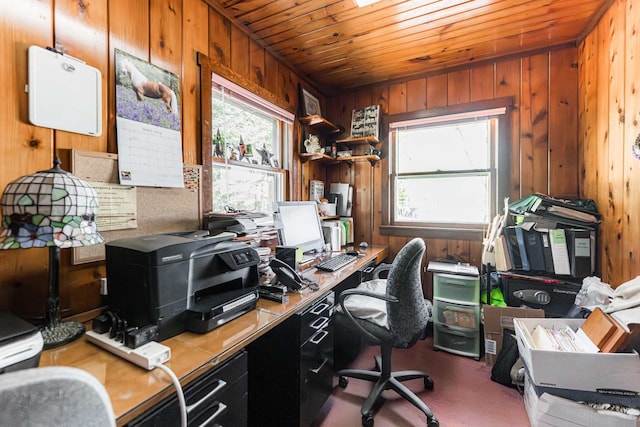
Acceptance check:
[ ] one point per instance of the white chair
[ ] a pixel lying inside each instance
(54, 396)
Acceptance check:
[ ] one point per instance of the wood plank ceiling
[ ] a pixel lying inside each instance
(337, 45)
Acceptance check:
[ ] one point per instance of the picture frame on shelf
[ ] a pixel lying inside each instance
(309, 104)
(365, 122)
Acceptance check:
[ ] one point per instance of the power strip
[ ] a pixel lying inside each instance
(145, 356)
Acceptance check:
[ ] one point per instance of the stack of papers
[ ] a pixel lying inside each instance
(564, 339)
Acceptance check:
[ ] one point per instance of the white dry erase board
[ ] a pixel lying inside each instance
(64, 92)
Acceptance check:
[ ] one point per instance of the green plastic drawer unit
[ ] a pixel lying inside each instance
(461, 316)
(456, 287)
(455, 340)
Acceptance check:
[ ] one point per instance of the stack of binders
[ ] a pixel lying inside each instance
(552, 237)
(555, 251)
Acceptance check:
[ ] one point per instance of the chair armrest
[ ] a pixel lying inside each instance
(380, 268)
(346, 293)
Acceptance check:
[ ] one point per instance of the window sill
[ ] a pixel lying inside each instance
(221, 160)
(450, 233)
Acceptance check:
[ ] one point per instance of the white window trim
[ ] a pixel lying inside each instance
(486, 108)
(478, 114)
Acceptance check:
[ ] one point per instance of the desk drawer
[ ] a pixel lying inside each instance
(316, 317)
(456, 287)
(223, 394)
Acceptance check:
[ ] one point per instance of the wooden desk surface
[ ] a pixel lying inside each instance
(134, 390)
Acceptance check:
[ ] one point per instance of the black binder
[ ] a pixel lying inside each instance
(522, 246)
(513, 250)
(546, 252)
(579, 245)
(533, 243)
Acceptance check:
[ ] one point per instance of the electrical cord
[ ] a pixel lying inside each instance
(179, 392)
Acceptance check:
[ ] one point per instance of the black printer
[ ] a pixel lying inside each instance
(182, 281)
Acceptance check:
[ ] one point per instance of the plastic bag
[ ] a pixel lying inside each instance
(594, 293)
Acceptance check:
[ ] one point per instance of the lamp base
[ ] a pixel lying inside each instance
(61, 333)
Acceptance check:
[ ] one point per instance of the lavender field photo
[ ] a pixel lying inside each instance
(146, 93)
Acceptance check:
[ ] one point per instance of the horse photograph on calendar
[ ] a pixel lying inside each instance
(146, 93)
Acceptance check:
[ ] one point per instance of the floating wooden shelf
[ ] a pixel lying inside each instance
(307, 157)
(325, 127)
(365, 140)
(320, 124)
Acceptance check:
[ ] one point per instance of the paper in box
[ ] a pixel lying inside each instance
(594, 377)
(495, 320)
(550, 410)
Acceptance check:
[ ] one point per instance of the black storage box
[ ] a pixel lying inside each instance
(554, 296)
(20, 344)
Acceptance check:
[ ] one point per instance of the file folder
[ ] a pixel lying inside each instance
(503, 261)
(337, 233)
(562, 211)
(332, 234)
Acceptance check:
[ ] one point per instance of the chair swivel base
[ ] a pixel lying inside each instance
(388, 381)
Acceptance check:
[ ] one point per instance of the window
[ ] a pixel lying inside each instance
(249, 137)
(447, 171)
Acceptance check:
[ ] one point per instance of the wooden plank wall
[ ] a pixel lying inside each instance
(544, 139)
(167, 33)
(609, 123)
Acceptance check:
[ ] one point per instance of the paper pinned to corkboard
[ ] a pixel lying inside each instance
(159, 209)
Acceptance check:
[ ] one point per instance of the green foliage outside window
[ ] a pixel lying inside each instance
(247, 135)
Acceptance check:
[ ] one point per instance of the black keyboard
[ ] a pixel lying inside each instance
(336, 262)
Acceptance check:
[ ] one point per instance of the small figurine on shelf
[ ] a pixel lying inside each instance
(266, 156)
(242, 149)
(234, 152)
(312, 144)
(218, 145)
(334, 150)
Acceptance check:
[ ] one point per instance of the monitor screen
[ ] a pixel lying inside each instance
(301, 225)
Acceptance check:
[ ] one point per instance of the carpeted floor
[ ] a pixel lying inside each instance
(463, 395)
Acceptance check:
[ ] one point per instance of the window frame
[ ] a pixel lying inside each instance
(209, 68)
(502, 175)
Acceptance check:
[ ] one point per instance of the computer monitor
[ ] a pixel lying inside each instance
(301, 226)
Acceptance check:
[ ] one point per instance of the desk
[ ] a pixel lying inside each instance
(134, 390)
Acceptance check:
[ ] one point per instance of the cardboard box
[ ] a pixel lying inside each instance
(495, 320)
(594, 377)
(550, 410)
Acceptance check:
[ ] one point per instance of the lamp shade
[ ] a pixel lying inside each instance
(49, 208)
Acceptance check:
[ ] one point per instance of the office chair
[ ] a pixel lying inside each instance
(54, 396)
(406, 319)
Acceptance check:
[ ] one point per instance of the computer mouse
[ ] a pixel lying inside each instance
(352, 252)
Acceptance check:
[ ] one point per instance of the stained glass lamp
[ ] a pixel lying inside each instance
(53, 209)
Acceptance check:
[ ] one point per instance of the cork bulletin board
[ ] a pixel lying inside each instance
(160, 209)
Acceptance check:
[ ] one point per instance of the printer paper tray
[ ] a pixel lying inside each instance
(205, 317)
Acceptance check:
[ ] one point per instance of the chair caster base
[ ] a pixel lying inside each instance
(343, 382)
(367, 420)
(428, 383)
